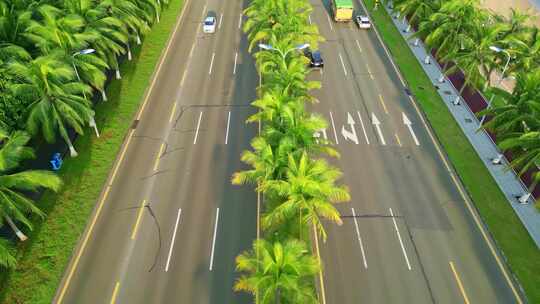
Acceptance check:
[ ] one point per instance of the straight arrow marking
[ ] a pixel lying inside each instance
(375, 121)
(408, 123)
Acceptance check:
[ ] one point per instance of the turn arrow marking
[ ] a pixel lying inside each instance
(375, 121)
(408, 123)
(350, 135)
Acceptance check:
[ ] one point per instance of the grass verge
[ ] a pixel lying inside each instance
(521, 253)
(43, 259)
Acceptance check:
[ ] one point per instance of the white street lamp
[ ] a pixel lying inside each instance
(92, 121)
(497, 50)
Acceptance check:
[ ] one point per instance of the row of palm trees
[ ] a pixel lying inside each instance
(54, 56)
(488, 47)
(298, 186)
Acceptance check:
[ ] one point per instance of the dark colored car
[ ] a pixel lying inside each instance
(315, 58)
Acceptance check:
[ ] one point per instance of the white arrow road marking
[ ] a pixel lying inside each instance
(375, 121)
(334, 127)
(350, 135)
(173, 238)
(408, 123)
(363, 127)
(214, 241)
(359, 238)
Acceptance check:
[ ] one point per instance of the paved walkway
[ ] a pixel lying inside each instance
(508, 182)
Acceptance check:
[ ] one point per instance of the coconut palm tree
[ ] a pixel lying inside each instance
(309, 192)
(525, 46)
(55, 97)
(517, 112)
(14, 205)
(278, 272)
(416, 10)
(7, 258)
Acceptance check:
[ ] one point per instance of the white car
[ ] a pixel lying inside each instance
(209, 25)
(363, 22)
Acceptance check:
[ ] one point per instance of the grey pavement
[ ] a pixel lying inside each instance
(507, 180)
(170, 223)
(409, 233)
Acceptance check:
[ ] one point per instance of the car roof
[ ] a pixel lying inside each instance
(317, 54)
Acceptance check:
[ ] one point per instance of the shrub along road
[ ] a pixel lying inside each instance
(410, 234)
(169, 223)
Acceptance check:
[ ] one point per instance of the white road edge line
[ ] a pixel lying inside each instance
(363, 127)
(220, 20)
(235, 61)
(214, 241)
(197, 131)
(173, 238)
(228, 123)
(334, 127)
(240, 22)
(343, 64)
(211, 63)
(400, 240)
(359, 239)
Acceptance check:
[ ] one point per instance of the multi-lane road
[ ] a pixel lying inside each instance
(169, 224)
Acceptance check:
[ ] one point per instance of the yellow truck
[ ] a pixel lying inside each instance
(342, 10)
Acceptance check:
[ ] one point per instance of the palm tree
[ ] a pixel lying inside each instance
(278, 273)
(14, 205)
(55, 96)
(309, 192)
(526, 48)
(416, 10)
(517, 112)
(7, 259)
(527, 149)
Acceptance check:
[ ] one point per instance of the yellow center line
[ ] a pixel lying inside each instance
(159, 156)
(172, 113)
(381, 99)
(139, 216)
(115, 293)
(397, 139)
(320, 263)
(460, 285)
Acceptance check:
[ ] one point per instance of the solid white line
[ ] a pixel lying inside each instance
(173, 238)
(240, 22)
(342, 64)
(235, 60)
(334, 127)
(214, 241)
(211, 63)
(197, 131)
(359, 239)
(329, 22)
(220, 20)
(400, 240)
(363, 128)
(358, 45)
(228, 123)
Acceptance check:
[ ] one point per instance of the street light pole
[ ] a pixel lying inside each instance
(92, 121)
(497, 50)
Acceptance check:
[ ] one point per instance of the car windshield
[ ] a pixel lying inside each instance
(208, 22)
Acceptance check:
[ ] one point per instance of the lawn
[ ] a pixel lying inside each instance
(43, 259)
(511, 237)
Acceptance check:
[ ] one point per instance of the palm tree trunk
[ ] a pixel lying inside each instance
(278, 295)
(92, 123)
(118, 76)
(15, 229)
(72, 151)
(441, 79)
(456, 101)
(103, 95)
(129, 52)
(138, 39)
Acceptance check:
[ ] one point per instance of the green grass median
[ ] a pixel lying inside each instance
(42, 260)
(520, 251)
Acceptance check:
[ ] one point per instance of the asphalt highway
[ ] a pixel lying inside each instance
(170, 224)
(410, 234)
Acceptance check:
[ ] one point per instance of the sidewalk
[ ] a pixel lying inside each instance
(504, 7)
(508, 182)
